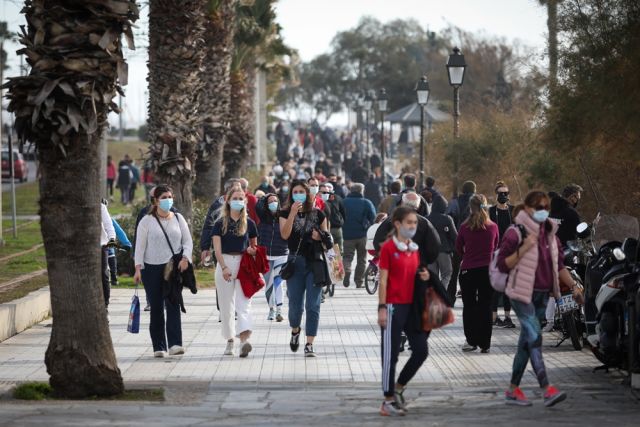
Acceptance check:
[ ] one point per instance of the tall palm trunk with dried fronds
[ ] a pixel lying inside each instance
(241, 139)
(176, 53)
(74, 50)
(215, 101)
(552, 42)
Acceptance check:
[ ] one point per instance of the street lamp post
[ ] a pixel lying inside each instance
(422, 93)
(382, 107)
(360, 109)
(367, 103)
(456, 68)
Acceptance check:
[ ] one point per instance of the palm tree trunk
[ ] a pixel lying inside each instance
(74, 50)
(216, 100)
(176, 52)
(240, 144)
(552, 26)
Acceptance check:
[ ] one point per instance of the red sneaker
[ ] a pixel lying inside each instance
(553, 396)
(516, 397)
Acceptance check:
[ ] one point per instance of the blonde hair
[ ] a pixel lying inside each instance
(479, 217)
(225, 213)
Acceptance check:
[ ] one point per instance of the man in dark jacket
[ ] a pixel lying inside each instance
(360, 214)
(443, 223)
(563, 210)
(373, 190)
(337, 214)
(431, 181)
(426, 235)
(360, 173)
(410, 187)
(337, 187)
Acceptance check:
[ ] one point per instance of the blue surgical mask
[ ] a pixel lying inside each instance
(325, 196)
(540, 216)
(236, 205)
(166, 204)
(300, 197)
(285, 189)
(407, 233)
(273, 206)
(314, 190)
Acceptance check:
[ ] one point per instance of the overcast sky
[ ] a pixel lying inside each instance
(309, 26)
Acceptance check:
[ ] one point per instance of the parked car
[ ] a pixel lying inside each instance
(21, 169)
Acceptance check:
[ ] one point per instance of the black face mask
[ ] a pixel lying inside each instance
(503, 198)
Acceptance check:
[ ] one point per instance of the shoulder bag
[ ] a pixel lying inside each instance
(168, 268)
(289, 267)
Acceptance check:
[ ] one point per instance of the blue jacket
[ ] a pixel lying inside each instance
(269, 230)
(360, 215)
(121, 236)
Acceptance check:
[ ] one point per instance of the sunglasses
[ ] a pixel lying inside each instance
(503, 193)
(542, 208)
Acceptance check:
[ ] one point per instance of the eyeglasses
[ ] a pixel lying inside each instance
(326, 192)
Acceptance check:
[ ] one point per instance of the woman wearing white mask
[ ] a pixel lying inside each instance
(268, 209)
(233, 234)
(152, 254)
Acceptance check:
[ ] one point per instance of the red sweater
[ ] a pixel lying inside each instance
(476, 246)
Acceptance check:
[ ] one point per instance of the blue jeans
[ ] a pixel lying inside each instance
(300, 289)
(152, 280)
(530, 342)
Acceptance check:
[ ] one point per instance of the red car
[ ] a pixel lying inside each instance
(21, 169)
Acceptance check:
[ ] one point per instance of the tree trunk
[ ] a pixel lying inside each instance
(552, 25)
(80, 357)
(74, 50)
(240, 144)
(215, 102)
(176, 52)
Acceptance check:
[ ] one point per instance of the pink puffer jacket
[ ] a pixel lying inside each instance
(522, 277)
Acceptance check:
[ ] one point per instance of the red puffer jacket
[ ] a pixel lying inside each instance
(251, 270)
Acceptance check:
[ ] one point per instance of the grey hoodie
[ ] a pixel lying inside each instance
(444, 224)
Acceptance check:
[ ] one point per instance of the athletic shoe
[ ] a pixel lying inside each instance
(508, 323)
(308, 350)
(295, 341)
(498, 323)
(245, 349)
(516, 397)
(272, 314)
(360, 285)
(466, 347)
(485, 350)
(147, 307)
(176, 350)
(279, 317)
(228, 351)
(346, 281)
(553, 396)
(548, 327)
(159, 354)
(390, 408)
(400, 400)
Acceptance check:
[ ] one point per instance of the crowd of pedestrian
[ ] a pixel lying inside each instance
(323, 195)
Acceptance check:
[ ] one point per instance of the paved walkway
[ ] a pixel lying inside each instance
(274, 385)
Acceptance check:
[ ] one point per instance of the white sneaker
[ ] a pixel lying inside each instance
(245, 349)
(176, 350)
(228, 351)
(159, 354)
(548, 327)
(466, 347)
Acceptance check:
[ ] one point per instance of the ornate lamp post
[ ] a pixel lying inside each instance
(367, 105)
(456, 68)
(382, 107)
(422, 93)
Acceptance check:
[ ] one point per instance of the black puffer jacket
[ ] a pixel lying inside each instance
(426, 238)
(567, 217)
(444, 224)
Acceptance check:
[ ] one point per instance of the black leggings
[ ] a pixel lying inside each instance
(106, 287)
(506, 302)
(397, 322)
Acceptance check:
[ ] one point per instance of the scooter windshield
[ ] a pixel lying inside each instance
(608, 228)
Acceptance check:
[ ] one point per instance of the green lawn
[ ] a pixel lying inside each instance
(204, 279)
(117, 150)
(28, 236)
(27, 196)
(22, 265)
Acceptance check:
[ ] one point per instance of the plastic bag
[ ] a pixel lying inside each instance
(133, 325)
(436, 312)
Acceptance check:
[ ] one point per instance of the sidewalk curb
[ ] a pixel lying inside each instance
(21, 314)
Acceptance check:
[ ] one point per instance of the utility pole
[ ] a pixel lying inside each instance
(3, 30)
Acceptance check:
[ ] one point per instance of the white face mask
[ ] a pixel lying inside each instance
(314, 190)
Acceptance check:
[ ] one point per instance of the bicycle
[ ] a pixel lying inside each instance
(372, 276)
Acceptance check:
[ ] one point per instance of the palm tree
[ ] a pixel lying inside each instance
(176, 53)
(74, 50)
(216, 100)
(552, 28)
(258, 44)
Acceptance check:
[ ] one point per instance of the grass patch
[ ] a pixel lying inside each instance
(33, 391)
(117, 149)
(42, 391)
(204, 279)
(24, 289)
(29, 235)
(23, 264)
(27, 196)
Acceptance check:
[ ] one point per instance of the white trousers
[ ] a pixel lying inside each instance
(231, 299)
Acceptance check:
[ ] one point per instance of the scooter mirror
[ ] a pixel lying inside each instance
(619, 255)
(582, 227)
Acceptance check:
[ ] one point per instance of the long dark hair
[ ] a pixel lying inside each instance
(308, 204)
(157, 192)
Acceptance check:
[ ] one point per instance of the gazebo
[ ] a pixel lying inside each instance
(409, 119)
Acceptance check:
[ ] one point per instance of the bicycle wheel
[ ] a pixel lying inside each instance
(572, 330)
(371, 279)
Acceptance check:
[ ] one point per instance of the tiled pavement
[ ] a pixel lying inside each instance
(274, 386)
